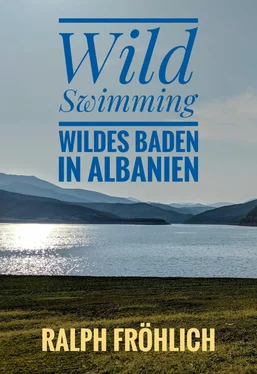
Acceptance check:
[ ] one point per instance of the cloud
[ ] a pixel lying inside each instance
(233, 118)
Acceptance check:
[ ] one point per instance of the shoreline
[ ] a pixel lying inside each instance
(122, 277)
(150, 222)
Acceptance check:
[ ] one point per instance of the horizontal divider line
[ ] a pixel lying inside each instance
(128, 20)
(131, 124)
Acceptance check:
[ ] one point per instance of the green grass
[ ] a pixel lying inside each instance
(28, 304)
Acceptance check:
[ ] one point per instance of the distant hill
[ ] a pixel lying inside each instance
(30, 185)
(134, 200)
(23, 208)
(220, 204)
(191, 208)
(141, 210)
(182, 205)
(227, 215)
(197, 208)
(250, 219)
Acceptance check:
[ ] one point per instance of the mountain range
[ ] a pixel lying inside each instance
(19, 208)
(30, 199)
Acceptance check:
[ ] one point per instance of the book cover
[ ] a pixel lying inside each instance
(128, 207)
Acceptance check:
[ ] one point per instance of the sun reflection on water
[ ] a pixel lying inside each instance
(40, 249)
(32, 237)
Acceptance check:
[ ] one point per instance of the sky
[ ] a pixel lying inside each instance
(224, 62)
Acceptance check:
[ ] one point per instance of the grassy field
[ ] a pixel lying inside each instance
(28, 304)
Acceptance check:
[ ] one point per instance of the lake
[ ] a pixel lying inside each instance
(128, 250)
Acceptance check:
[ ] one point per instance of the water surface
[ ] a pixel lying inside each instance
(128, 250)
